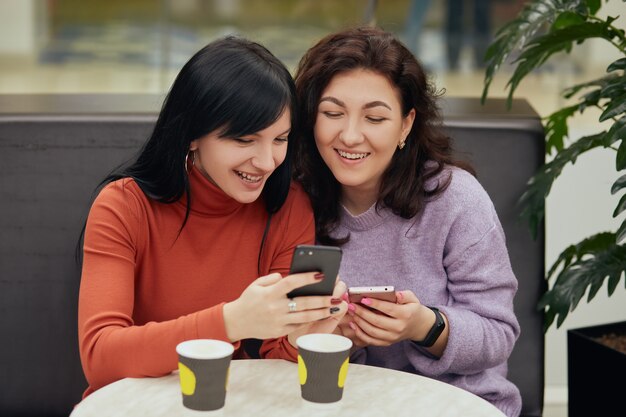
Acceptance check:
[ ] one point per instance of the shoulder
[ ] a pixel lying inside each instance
(122, 196)
(463, 200)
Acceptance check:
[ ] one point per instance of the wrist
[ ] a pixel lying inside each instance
(233, 321)
(426, 321)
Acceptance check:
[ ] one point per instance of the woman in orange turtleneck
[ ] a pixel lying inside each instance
(175, 241)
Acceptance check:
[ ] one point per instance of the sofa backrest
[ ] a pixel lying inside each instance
(54, 149)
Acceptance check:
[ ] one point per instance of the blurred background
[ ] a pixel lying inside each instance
(138, 46)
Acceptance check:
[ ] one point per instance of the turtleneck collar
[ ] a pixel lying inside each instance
(207, 198)
(364, 221)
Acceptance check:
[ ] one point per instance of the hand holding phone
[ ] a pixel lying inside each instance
(316, 258)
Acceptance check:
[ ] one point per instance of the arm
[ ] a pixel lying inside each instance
(111, 345)
(480, 319)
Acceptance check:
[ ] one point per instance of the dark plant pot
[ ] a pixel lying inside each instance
(594, 372)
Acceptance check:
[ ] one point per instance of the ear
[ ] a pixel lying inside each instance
(193, 145)
(407, 124)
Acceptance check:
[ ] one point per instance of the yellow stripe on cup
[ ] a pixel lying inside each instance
(343, 373)
(187, 380)
(302, 373)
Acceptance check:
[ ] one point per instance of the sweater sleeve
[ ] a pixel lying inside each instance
(111, 346)
(481, 286)
(298, 228)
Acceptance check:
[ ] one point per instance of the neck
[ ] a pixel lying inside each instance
(358, 201)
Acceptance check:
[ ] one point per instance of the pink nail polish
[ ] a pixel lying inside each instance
(344, 297)
(352, 325)
(366, 301)
(351, 307)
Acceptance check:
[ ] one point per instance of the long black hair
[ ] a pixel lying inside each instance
(232, 85)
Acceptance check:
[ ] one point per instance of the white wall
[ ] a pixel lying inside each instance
(18, 28)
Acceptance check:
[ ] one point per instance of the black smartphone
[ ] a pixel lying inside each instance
(311, 258)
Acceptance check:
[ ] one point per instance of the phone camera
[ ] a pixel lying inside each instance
(310, 253)
(301, 252)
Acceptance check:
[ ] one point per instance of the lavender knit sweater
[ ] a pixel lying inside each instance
(453, 256)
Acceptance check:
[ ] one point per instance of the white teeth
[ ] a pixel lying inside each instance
(352, 155)
(248, 177)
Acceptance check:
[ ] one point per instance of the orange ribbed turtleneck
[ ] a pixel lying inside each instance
(143, 289)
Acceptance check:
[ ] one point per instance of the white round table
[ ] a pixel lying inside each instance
(259, 388)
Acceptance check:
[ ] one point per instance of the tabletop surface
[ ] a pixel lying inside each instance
(270, 387)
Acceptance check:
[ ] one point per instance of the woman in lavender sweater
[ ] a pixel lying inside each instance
(384, 186)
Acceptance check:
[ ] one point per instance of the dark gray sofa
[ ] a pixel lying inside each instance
(54, 149)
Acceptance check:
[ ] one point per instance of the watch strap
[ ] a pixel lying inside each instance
(435, 331)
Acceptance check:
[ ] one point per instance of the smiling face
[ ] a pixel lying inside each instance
(241, 166)
(358, 128)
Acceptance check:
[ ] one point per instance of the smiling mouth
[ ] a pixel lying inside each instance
(352, 156)
(249, 178)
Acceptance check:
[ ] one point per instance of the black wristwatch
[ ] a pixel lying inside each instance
(435, 331)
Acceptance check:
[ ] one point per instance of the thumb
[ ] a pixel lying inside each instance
(268, 280)
(406, 297)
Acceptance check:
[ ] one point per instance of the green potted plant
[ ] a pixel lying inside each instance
(541, 30)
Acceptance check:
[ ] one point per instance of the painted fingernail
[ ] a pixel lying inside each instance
(335, 300)
(366, 301)
(333, 310)
(351, 307)
(345, 296)
(352, 325)
(399, 295)
(318, 276)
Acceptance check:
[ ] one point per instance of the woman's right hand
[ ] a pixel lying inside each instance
(262, 310)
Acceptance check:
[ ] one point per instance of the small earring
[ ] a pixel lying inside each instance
(401, 144)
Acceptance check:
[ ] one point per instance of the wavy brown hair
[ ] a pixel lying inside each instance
(402, 187)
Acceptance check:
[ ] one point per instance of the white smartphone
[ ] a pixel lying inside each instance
(384, 292)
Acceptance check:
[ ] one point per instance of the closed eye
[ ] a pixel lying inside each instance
(242, 141)
(282, 139)
(372, 119)
(332, 114)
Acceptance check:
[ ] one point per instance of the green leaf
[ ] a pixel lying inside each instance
(620, 64)
(594, 6)
(615, 133)
(566, 19)
(619, 184)
(621, 206)
(515, 34)
(621, 233)
(615, 108)
(532, 201)
(620, 159)
(599, 82)
(586, 266)
(556, 128)
(540, 49)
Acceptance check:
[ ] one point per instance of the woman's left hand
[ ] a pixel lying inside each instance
(329, 324)
(406, 319)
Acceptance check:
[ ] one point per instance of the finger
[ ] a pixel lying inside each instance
(406, 297)
(376, 332)
(309, 316)
(291, 282)
(366, 338)
(386, 307)
(340, 289)
(268, 280)
(373, 317)
(313, 302)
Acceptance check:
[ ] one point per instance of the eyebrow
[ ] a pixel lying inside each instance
(369, 105)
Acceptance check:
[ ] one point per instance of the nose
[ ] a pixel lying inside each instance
(351, 134)
(263, 158)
